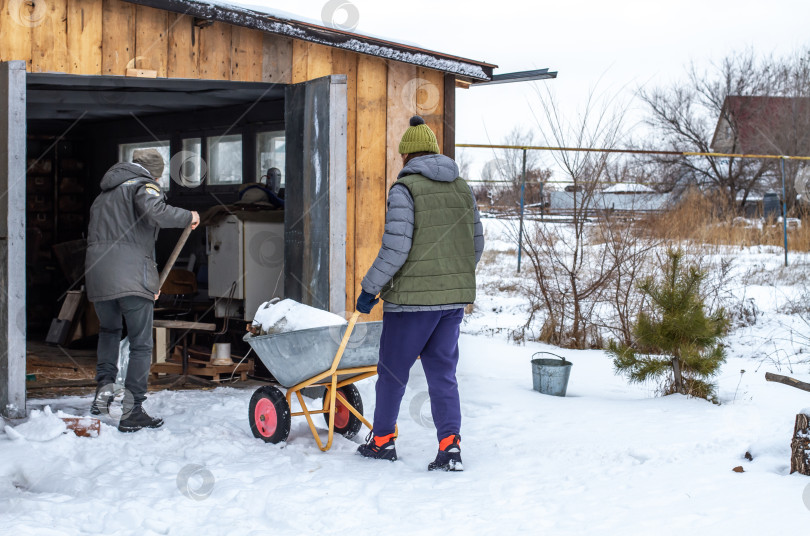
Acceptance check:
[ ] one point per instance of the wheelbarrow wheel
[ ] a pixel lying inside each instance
(269, 415)
(346, 424)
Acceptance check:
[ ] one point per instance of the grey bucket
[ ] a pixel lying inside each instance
(550, 376)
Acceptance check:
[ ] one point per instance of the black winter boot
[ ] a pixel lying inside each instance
(380, 448)
(137, 418)
(449, 456)
(105, 395)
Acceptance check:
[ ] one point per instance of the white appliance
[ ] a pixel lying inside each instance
(245, 261)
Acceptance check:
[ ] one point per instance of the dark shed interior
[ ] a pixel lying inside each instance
(79, 126)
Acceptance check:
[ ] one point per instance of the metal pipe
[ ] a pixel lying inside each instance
(522, 189)
(784, 211)
(629, 151)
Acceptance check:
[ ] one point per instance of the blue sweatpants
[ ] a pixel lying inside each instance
(406, 336)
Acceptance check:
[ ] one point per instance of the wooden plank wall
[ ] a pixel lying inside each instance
(108, 36)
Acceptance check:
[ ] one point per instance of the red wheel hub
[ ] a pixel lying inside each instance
(265, 417)
(342, 413)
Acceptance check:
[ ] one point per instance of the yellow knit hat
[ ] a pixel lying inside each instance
(418, 138)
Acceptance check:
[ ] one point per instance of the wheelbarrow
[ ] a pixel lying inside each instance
(316, 357)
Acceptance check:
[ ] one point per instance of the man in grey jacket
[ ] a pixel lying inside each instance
(425, 273)
(122, 277)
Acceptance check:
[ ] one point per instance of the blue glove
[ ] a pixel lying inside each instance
(366, 302)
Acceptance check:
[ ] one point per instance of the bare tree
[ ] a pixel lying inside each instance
(575, 263)
(505, 171)
(684, 118)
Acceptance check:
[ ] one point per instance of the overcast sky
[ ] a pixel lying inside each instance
(614, 47)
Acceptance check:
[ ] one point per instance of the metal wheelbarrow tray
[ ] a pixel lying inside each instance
(334, 357)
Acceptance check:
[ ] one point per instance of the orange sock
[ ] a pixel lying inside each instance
(382, 440)
(447, 441)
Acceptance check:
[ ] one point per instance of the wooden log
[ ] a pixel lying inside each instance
(800, 446)
(787, 380)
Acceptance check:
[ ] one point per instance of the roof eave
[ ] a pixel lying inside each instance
(333, 37)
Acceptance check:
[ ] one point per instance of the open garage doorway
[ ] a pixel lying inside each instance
(218, 139)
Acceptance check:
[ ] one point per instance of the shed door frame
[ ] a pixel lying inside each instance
(315, 120)
(12, 238)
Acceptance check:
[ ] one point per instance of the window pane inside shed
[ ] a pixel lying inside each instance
(225, 160)
(190, 171)
(270, 152)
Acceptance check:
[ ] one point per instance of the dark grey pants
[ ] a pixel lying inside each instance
(137, 312)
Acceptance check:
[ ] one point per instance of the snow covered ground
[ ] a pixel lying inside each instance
(607, 459)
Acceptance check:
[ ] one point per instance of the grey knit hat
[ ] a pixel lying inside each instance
(149, 159)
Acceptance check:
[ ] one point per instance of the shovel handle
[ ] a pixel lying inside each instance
(175, 253)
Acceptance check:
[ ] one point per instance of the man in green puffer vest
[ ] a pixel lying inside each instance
(425, 274)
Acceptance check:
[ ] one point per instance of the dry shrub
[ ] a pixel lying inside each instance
(704, 219)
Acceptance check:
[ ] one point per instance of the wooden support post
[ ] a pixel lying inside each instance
(12, 239)
(800, 446)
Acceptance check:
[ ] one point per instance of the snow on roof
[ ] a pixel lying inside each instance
(291, 25)
(629, 188)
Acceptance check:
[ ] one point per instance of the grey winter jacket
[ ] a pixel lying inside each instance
(124, 222)
(399, 220)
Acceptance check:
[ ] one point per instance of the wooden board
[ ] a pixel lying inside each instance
(84, 36)
(214, 372)
(319, 61)
(402, 85)
(277, 59)
(246, 59)
(160, 350)
(16, 22)
(117, 36)
(345, 62)
(430, 101)
(151, 40)
(449, 116)
(182, 324)
(72, 304)
(370, 154)
(49, 50)
(300, 52)
(215, 52)
(184, 47)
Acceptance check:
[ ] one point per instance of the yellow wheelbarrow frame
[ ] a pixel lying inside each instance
(329, 379)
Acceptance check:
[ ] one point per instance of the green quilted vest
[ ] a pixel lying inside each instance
(440, 268)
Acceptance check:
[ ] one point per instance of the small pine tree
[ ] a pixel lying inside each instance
(676, 342)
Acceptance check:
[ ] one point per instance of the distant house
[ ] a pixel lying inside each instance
(768, 126)
(763, 125)
(623, 197)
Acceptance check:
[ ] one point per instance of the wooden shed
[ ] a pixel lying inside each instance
(85, 82)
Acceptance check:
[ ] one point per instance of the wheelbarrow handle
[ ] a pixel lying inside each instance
(345, 340)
